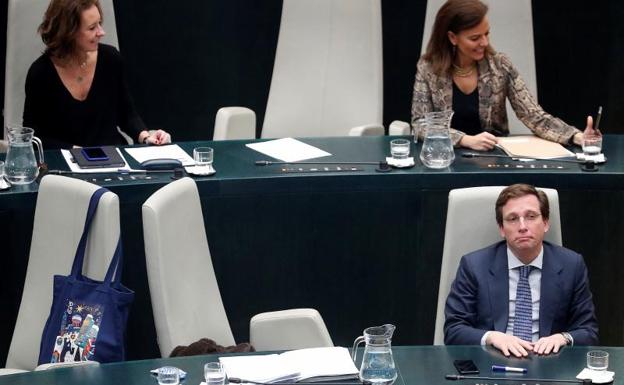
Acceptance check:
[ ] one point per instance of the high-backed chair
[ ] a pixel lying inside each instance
(471, 225)
(327, 76)
(59, 221)
(511, 27)
(188, 309)
(24, 45)
(234, 123)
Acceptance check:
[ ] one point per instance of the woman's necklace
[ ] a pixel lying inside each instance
(464, 72)
(82, 67)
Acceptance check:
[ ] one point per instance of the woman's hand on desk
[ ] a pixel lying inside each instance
(589, 131)
(157, 137)
(481, 142)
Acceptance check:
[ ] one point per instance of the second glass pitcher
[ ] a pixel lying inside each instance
(377, 362)
(21, 166)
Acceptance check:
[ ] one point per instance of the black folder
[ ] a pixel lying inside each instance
(114, 159)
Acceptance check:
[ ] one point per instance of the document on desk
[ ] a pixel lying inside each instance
(313, 364)
(73, 166)
(170, 151)
(532, 146)
(288, 150)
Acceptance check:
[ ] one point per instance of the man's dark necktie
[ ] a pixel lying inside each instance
(523, 323)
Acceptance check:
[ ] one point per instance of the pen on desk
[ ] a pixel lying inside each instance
(598, 116)
(499, 368)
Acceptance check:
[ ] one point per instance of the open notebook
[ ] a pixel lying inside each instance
(532, 147)
(313, 364)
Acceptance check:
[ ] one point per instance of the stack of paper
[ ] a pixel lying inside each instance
(532, 146)
(314, 364)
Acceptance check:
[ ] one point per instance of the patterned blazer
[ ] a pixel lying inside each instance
(498, 80)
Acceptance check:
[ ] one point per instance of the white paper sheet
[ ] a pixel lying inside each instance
(171, 151)
(288, 150)
(73, 166)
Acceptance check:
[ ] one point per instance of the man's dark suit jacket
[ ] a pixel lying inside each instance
(479, 297)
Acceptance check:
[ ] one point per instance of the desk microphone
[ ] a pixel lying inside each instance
(517, 158)
(382, 166)
(270, 162)
(455, 377)
(235, 380)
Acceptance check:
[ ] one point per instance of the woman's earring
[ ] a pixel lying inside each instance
(454, 50)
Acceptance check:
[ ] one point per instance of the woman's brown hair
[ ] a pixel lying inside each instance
(454, 16)
(60, 24)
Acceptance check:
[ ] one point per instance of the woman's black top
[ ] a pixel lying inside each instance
(61, 121)
(466, 107)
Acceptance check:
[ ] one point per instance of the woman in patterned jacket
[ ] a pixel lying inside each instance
(462, 72)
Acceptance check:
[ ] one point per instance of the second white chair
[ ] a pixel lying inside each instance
(189, 307)
(471, 225)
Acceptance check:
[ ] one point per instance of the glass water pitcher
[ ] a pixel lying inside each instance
(21, 166)
(377, 362)
(437, 150)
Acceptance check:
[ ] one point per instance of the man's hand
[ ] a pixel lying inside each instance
(509, 344)
(550, 344)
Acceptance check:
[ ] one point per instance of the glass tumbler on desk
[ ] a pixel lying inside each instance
(214, 373)
(400, 148)
(203, 156)
(597, 360)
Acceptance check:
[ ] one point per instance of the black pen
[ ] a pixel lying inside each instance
(598, 116)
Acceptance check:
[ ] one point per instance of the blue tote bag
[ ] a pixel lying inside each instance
(88, 318)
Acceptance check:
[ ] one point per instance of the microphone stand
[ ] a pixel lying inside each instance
(518, 158)
(234, 380)
(382, 166)
(456, 377)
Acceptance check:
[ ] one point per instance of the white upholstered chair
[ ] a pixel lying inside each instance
(471, 225)
(327, 77)
(188, 309)
(59, 221)
(234, 123)
(24, 45)
(511, 27)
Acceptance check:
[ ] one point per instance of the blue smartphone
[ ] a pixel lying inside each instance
(94, 153)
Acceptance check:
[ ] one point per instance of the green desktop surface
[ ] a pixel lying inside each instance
(416, 365)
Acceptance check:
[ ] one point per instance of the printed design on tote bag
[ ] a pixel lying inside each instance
(79, 329)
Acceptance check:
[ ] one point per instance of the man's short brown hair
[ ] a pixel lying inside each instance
(517, 191)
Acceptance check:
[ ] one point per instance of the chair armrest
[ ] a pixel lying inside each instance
(288, 329)
(234, 123)
(399, 127)
(367, 130)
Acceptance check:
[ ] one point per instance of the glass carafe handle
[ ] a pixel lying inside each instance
(37, 141)
(357, 341)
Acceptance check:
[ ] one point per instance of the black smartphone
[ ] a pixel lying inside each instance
(94, 153)
(466, 367)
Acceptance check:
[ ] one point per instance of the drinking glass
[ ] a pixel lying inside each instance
(597, 360)
(592, 145)
(400, 148)
(214, 373)
(168, 375)
(203, 156)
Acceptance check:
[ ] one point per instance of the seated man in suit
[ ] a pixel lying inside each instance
(522, 294)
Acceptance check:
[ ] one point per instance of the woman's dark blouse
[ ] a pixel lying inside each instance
(466, 107)
(61, 121)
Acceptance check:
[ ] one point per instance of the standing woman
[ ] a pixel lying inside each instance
(76, 91)
(462, 72)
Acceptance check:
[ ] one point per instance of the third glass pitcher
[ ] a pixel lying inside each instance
(437, 149)
(21, 166)
(377, 362)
